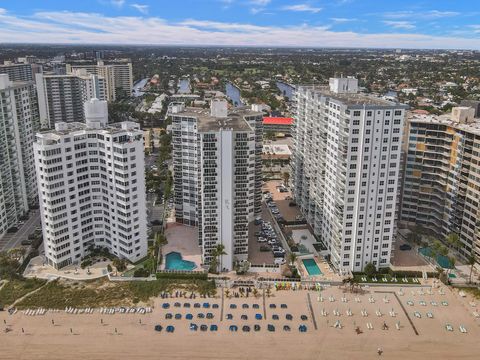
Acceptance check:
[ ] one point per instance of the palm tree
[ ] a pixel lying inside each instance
(471, 260)
(255, 292)
(453, 240)
(292, 258)
(218, 252)
(227, 293)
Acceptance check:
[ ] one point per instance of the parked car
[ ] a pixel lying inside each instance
(277, 254)
(262, 240)
(405, 247)
(279, 261)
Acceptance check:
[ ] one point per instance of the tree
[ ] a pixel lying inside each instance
(217, 254)
(255, 292)
(8, 266)
(292, 258)
(453, 240)
(120, 264)
(370, 269)
(471, 260)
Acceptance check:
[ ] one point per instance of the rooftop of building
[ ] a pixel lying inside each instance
(353, 99)
(235, 119)
(6, 83)
(277, 149)
(471, 127)
(277, 121)
(73, 127)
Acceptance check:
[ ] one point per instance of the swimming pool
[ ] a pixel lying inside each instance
(312, 267)
(443, 261)
(174, 261)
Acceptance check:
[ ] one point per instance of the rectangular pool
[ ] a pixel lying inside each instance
(312, 267)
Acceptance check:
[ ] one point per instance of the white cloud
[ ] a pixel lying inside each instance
(343, 20)
(400, 24)
(117, 3)
(142, 8)
(303, 7)
(432, 14)
(476, 28)
(260, 2)
(93, 28)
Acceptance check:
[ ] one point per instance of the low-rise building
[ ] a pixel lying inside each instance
(278, 125)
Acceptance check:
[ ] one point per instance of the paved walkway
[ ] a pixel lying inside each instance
(37, 268)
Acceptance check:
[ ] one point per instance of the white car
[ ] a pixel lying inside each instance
(262, 240)
(279, 261)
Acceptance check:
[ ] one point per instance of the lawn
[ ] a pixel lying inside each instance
(15, 289)
(102, 293)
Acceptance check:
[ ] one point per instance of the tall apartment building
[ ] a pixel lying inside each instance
(118, 77)
(441, 190)
(19, 121)
(61, 97)
(17, 72)
(92, 188)
(216, 182)
(345, 169)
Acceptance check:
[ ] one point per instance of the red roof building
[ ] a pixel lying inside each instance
(278, 124)
(277, 121)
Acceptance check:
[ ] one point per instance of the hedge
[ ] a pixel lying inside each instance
(173, 275)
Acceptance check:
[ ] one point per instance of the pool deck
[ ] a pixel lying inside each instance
(183, 239)
(327, 272)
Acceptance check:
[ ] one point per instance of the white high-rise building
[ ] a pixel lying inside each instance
(92, 188)
(61, 97)
(18, 123)
(215, 175)
(118, 76)
(17, 71)
(346, 160)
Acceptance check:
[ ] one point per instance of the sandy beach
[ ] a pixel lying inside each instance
(135, 337)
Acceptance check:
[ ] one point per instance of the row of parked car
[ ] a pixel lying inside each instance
(267, 235)
(273, 207)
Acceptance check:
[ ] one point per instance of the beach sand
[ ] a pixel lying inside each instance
(92, 340)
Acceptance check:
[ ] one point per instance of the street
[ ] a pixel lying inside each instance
(13, 240)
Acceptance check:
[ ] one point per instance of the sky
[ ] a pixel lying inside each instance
(440, 24)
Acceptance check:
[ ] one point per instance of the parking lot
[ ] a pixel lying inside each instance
(263, 234)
